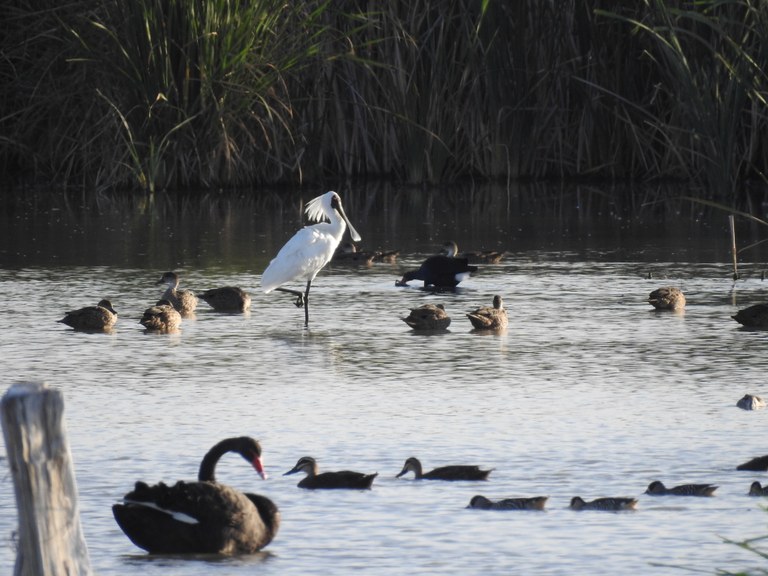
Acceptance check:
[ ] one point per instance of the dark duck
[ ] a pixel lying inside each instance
(439, 272)
(203, 517)
(342, 479)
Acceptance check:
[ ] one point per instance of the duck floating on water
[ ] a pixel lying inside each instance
(203, 517)
(757, 464)
(534, 503)
(750, 402)
(428, 317)
(607, 504)
(489, 318)
(184, 301)
(439, 272)
(450, 248)
(656, 488)
(343, 479)
(756, 489)
(162, 317)
(227, 299)
(755, 316)
(99, 318)
(453, 472)
(667, 298)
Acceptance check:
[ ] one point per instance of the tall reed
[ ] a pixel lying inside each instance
(206, 93)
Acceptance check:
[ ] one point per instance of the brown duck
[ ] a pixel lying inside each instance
(184, 301)
(533, 503)
(454, 472)
(227, 299)
(489, 318)
(428, 317)
(667, 298)
(162, 317)
(656, 488)
(343, 479)
(99, 318)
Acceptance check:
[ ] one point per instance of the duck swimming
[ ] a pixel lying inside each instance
(439, 272)
(347, 253)
(667, 298)
(750, 402)
(450, 248)
(757, 464)
(428, 317)
(343, 479)
(656, 488)
(184, 301)
(99, 318)
(162, 317)
(483, 503)
(489, 318)
(755, 316)
(227, 299)
(454, 472)
(756, 489)
(203, 517)
(607, 504)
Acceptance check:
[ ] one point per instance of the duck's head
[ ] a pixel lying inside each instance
(305, 464)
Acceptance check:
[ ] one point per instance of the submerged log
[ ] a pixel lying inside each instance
(51, 541)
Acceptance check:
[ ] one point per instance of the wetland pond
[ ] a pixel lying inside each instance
(589, 391)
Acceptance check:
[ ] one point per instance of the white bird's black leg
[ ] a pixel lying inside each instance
(306, 304)
(299, 296)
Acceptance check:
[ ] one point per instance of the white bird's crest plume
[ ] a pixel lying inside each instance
(314, 210)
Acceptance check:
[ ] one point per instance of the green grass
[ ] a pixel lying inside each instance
(175, 94)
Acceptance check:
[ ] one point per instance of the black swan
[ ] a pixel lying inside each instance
(455, 472)
(330, 480)
(202, 517)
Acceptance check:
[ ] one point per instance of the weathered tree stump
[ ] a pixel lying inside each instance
(51, 541)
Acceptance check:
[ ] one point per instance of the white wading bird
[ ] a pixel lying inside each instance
(310, 249)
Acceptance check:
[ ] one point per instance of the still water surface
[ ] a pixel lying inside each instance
(588, 393)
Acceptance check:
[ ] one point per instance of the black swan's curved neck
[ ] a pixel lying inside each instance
(244, 446)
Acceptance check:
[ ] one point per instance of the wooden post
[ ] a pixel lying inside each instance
(733, 248)
(51, 541)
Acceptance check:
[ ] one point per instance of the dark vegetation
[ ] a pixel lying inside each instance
(179, 94)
